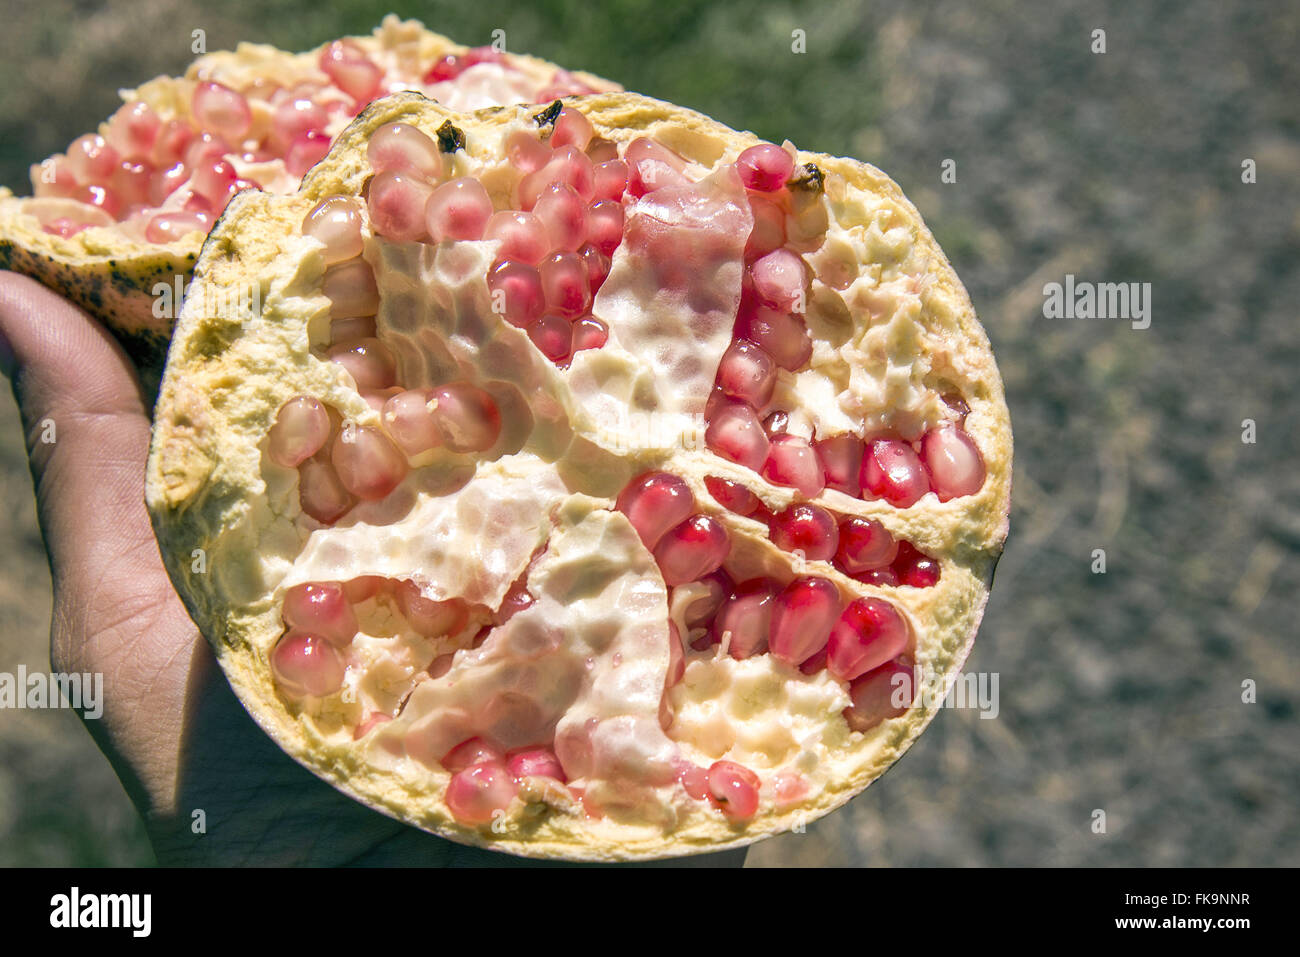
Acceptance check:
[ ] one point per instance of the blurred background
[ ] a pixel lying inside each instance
(1119, 691)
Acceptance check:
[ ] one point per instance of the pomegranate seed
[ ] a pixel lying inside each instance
(166, 181)
(368, 464)
(397, 202)
(364, 587)
(807, 528)
(605, 225)
(564, 214)
(589, 333)
(516, 292)
(172, 142)
(732, 495)
(781, 335)
(864, 544)
(320, 492)
(694, 779)
(610, 180)
(447, 68)
(654, 503)
(133, 130)
(171, 227)
(747, 373)
(526, 153)
(553, 336)
(336, 222)
(734, 789)
(298, 115)
(322, 609)
(802, 618)
(691, 550)
(791, 461)
(430, 617)
(869, 633)
(214, 180)
(955, 464)
(814, 664)
(567, 167)
(652, 166)
(539, 762)
(841, 456)
(877, 576)
(735, 433)
(402, 148)
(768, 234)
(571, 129)
(882, 693)
(306, 150)
(781, 281)
(596, 265)
(467, 416)
(348, 67)
(476, 794)
(470, 752)
(458, 209)
(747, 615)
(892, 471)
(777, 423)
(301, 428)
(64, 227)
(764, 168)
(411, 422)
(915, 568)
(205, 148)
(522, 236)
(221, 111)
(306, 665)
(516, 600)
(564, 284)
(351, 290)
(368, 361)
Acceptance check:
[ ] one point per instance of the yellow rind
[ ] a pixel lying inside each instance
(199, 478)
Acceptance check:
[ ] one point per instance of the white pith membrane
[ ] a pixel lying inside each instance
(570, 634)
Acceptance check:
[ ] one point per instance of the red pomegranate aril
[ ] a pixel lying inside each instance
(655, 502)
(410, 421)
(526, 153)
(351, 290)
(864, 544)
(792, 462)
(306, 665)
(806, 528)
(336, 222)
(589, 333)
(397, 202)
(692, 549)
(221, 111)
(564, 284)
(747, 616)
(369, 362)
(955, 464)
(747, 373)
(841, 457)
(367, 462)
(480, 792)
(320, 608)
(402, 148)
(882, 693)
(814, 664)
(891, 470)
(734, 432)
(517, 293)
(694, 779)
(553, 336)
(782, 335)
(320, 492)
(133, 130)
(868, 633)
(458, 210)
(732, 495)
(651, 166)
(768, 234)
(605, 225)
(915, 568)
(610, 180)
(171, 227)
(536, 763)
(802, 618)
(734, 789)
(348, 67)
(781, 281)
(596, 265)
(214, 180)
(568, 167)
(522, 236)
(764, 168)
(467, 417)
(301, 428)
(430, 617)
(306, 150)
(571, 128)
(470, 752)
(564, 214)
(877, 576)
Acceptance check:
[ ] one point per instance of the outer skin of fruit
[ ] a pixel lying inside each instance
(206, 489)
(112, 277)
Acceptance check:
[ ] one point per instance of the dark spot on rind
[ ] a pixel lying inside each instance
(809, 177)
(450, 138)
(548, 115)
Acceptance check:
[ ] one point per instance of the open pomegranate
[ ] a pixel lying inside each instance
(587, 478)
(126, 207)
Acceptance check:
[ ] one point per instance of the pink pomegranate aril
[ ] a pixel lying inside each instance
(694, 779)
(732, 495)
(430, 617)
(320, 492)
(305, 665)
(522, 236)
(568, 167)
(596, 265)
(133, 130)
(467, 417)
(480, 792)
(537, 762)
(747, 373)
(691, 549)
(734, 789)
(915, 568)
(764, 168)
(802, 618)
(734, 432)
(564, 214)
(410, 421)
(348, 67)
(368, 361)
(336, 222)
(864, 544)
(882, 693)
(571, 128)
(171, 143)
(746, 615)
(517, 293)
(470, 752)
(782, 335)
(397, 203)
(589, 333)
(402, 148)
(526, 153)
(877, 576)
(364, 587)
(814, 664)
(792, 461)
(868, 633)
(164, 182)
(655, 502)
(367, 462)
(891, 470)
(565, 286)
(221, 111)
(553, 336)
(652, 166)
(321, 608)
(214, 180)
(170, 227)
(806, 528)
(205, 148)
(605, 225)
(458, 209)
(297, 115)
(307, 149)
(768, 233)
(610, 180)
(955, 464)
(301, 428)
(351, 289)
(781, 281)
(841, 456)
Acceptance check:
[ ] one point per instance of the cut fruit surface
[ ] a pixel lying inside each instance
(575, 504)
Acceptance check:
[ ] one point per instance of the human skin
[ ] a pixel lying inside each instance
(174, 732)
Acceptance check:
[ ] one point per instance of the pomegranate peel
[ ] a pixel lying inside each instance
(548, 619)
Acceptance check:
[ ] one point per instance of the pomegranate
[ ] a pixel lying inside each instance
(537, 511)
(149, 184)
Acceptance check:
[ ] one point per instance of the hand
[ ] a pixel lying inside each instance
(173, 730)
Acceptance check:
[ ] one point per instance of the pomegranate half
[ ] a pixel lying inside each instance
(582, 481)
(126, 207)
